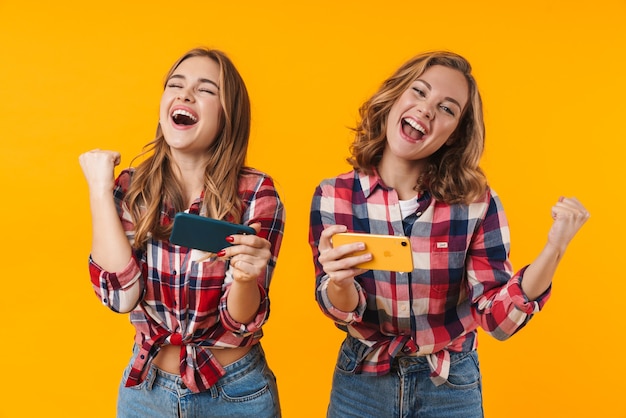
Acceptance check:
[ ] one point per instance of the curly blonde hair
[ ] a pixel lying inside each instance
(155, 185)
(453, 174)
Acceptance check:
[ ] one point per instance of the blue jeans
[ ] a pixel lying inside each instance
(247, 390)
(407, 390)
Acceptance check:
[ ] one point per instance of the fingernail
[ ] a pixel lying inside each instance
(221, 253)
(230, 238)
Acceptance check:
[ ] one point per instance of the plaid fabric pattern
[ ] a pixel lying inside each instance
(462, 277)
(179, 296)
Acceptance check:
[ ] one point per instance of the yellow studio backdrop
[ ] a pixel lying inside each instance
(80, 75)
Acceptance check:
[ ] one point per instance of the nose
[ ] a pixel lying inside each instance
(185, 95)
(425, 109)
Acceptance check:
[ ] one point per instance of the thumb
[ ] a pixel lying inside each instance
(256, 226)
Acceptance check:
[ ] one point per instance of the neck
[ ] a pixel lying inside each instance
(401, 175)
(191, 175)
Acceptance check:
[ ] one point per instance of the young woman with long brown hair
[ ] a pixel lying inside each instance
(198, 316)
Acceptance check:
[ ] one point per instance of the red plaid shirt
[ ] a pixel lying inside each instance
(179, 298)
(462, 275)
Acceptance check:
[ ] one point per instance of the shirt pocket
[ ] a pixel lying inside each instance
(447, 263)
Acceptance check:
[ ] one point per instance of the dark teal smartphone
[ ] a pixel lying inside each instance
(202, 233)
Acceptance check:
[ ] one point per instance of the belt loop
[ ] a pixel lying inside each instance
(150, 377)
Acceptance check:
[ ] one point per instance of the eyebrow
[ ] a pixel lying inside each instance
(201, 80)
(450, 99)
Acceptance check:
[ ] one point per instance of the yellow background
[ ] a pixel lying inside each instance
(80, 75)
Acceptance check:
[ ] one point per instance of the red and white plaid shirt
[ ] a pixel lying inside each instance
(179, 298)
(462, 275)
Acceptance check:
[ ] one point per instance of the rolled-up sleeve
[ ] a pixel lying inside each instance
(265, 207)
(499, 304)
(241, 329)
(323, 214)
(119, 291)
(337, 315)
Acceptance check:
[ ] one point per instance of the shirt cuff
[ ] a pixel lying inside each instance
(238, 328)
(115, 280)
(519, 298)
(337, 314)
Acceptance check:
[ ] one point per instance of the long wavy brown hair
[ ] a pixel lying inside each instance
(155, 185)
(453, 174)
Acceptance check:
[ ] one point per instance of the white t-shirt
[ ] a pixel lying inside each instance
(408, 207)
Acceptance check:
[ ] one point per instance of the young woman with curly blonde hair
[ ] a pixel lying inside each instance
(410, 347)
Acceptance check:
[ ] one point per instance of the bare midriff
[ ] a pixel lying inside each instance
(168, 358)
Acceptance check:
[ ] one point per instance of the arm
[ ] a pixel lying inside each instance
(340, 271)
(338, 294)
(248, 262)
(111, 251)
(569, 216)
(110, 248)
(253, 259)
(500, 304)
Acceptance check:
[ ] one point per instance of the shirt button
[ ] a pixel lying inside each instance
(403, 307)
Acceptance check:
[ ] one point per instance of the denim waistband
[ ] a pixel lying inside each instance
(410, 364)
(233, 371)
(250, 360)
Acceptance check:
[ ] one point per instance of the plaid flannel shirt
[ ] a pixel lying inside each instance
(179, 296)
(462, 275)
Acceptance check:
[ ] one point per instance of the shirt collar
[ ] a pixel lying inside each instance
(370, 182)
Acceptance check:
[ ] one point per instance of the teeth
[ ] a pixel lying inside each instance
(184, 113)
(415, 125)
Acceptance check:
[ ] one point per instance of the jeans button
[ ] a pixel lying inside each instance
(183, 386)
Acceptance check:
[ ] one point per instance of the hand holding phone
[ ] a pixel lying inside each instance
(389, 252)
(202, 233)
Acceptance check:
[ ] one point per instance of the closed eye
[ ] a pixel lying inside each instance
(447, 110)
(419, 92)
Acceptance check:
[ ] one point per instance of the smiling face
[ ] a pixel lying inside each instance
(190, 111)
(424, 117)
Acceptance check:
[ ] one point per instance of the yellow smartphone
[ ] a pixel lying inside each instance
(389, 252)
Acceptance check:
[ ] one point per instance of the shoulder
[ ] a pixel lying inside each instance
(253, 180)
(492, 199)
(489, 206)
(251, 175)
(488, 197)
(343, 180)
(124, 179)
(482, 206)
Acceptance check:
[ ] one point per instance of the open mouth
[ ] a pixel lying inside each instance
(412, 129)
(183, 117)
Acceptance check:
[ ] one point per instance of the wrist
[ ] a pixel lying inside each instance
(98, 194)
(343, 294)
(245, 283)
(341, 285)
(554, 251)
